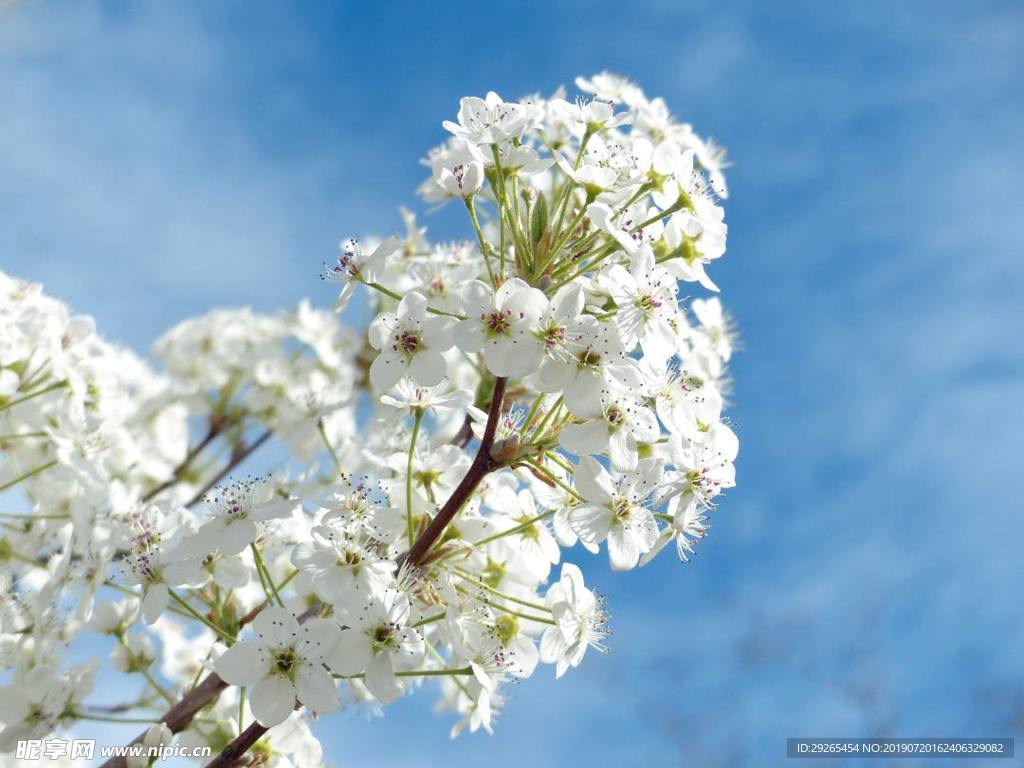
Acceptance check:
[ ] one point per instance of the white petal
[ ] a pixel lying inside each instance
(622, 451)
(155, 602)
(316, 689)
(273, 508)
(352, 653)
(428, 368)
(585, 439)
(320, 636)
(591, 523)
(244, 663)
(623, 549)
(469, 335)
(385, 371)
(272, 700)
(277, 628)
(236, 536)
(381, 681)
(593, 481)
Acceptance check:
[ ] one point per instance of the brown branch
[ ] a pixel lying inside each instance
(179, 470)
(238, 747)
(179, 716)
(482, 464)
(465, 433)
(236, 458)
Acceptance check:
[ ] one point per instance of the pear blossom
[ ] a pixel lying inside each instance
(462, 180)
(616, 510)
(410, 344)
(598, 362)
(623, 426)
(354, 266)
(646, 300)
(501, 324)
(489, 120)
(379, 642)
(235, 510)
(155, 562)
(538, 383)
(283, 663)
(580, 622)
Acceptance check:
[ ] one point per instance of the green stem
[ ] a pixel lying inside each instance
(196, 615)
(30, 516)
(512, 531)
(408, 476)
(471, 208)
(397, 297)
(262, 567)
(37, 393)
(21, 435)
(27, 475)
(543, 470)
(471, 578)
(164, 693)
(330, 448)
(506, 609)
(414, 673)
(502, 204)
(428, 620)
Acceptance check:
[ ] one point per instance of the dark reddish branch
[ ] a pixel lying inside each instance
(179, 470)
(238, 747)
(482, 464)
(236, 458)
(180, 715)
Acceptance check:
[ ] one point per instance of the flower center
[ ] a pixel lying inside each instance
(589, 359)
(407, 342)
(284, 661)
(497, 323)
(383, 637)
(615, 416)
(648, 303)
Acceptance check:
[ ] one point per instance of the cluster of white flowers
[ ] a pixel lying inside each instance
(538, 386)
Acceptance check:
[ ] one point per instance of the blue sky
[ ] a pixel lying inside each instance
(865, 576)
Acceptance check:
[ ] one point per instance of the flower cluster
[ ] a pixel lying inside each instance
(540, 385)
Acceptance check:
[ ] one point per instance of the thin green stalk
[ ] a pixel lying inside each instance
(21, 435)
(31, 516)
(262, 566)
(408, 476)
(597, 259)
(471, 208)
(27, 475)
(330, 448)
(241, 710)
(414, 673)
(543, 470)
(537, 401)
(502, 204)
(164, 693)
(483, 585)
(37, 393)
(198, 616)
(111, 719)
(513, 531)
(397, 297)
(511, 612)
(428, 620)
(547, 417)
